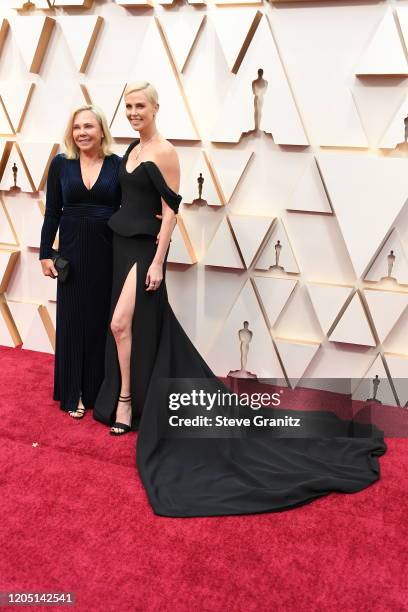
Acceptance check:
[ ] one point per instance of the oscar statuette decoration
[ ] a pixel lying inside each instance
(278, 249)
(14, 187)
(245, 337)
(390, 263)
(376, 384)
(200, 183)
(259, 87)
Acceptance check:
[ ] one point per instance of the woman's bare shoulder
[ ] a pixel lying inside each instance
(167, 157)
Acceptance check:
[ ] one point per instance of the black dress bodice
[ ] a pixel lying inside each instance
(142, 190)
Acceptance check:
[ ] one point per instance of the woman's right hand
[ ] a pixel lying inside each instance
(48, 268)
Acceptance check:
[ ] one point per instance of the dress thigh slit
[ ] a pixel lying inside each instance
(146, 325)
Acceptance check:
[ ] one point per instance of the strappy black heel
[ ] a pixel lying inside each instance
(79, 413)
(123, 427)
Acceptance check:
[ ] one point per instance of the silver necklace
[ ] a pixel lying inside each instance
(144, 144)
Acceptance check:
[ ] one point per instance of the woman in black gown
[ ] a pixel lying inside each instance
(205, 472)
(83, 191)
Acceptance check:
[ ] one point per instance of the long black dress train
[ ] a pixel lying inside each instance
(232, 470)
(83, 301)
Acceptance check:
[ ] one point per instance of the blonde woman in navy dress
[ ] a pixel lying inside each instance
(83, 191)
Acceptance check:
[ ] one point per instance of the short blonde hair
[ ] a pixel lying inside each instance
(71, 150)
(151, 91)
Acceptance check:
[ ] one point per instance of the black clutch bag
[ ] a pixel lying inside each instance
(61, 265)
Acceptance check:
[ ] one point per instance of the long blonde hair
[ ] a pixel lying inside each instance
(151, 91)
(71, 150)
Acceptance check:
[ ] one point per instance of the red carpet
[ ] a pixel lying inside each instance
(75, 518)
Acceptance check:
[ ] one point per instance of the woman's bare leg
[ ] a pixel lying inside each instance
(121, 326)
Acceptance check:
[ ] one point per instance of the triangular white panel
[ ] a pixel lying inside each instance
(7, 235)
(365, 389)
(327, 301)
(340, 124)
(279, 114)
(105, 95)
(33, 221)
(179, 253)
(234, 120)
(287, 259)
(377, 99)
(189, 186)
(298, 319)
(386, 307)
(173, 120)
(229, 166)
(23, 181)
(398, 366)
(234, 29)
(296, 357)
(5, 125)
(16, 97)
(80, 33)
(358, 186)
(181, 30)
(38, 156)
(309, 193)
(384, 53)
(395, 132)
(249, 232)
(224, 355)
(201, 223)
(339, 361)
(37, 338)
(379, 270)
(274, 293)
(222, 250)
(353, 326)
(32, 35)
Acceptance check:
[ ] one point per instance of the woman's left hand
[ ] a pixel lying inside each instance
(154, 277)
(158, 235)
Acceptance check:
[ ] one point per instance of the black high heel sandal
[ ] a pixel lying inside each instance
(123, 427)
(79, 413)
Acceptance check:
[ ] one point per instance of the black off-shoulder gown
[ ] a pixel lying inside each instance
(83, 302)
(229, 471)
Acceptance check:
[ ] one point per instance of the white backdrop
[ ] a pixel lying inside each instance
(325, 172)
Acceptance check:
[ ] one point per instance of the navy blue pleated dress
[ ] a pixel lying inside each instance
(83, 302)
